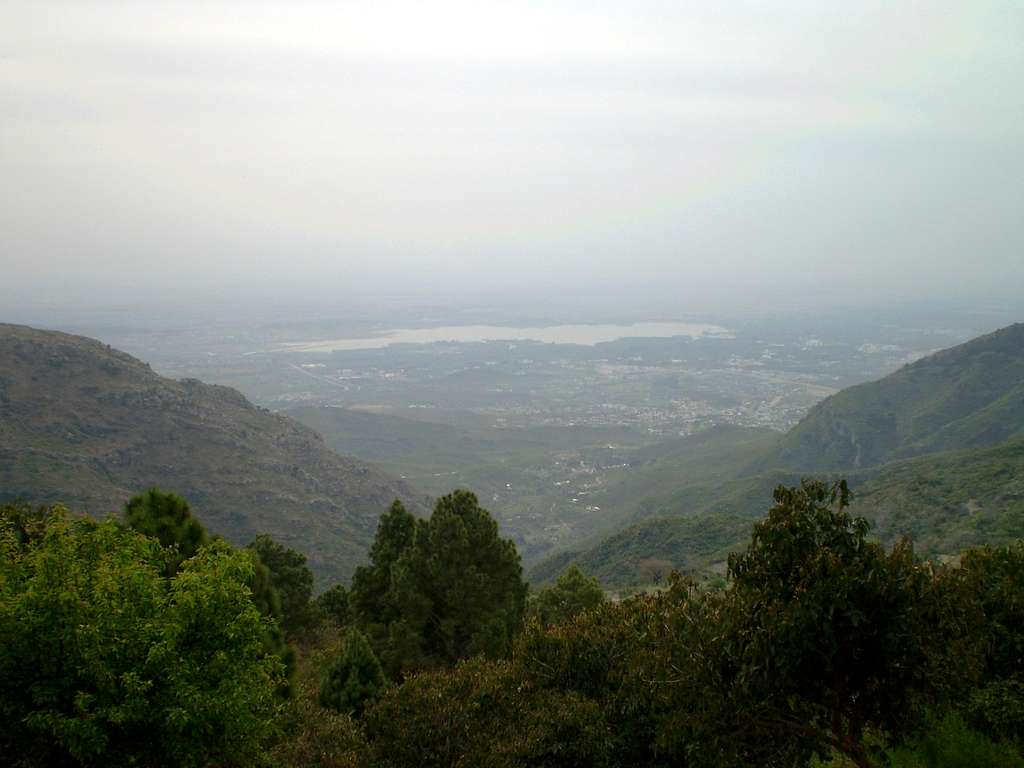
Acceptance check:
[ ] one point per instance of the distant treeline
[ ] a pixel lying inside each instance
(143, 640)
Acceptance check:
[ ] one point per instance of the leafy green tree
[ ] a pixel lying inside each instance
(650, 664)
(354, 678)
(832, 635)
(332, 604)
(572, 593)
(268, 602)
(168, 518)
(996, 579)
(106, 661)
(441, 589)
(291, 578)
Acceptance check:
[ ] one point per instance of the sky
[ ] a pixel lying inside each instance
(676, 155)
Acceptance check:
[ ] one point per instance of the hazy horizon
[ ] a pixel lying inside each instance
(626, 159)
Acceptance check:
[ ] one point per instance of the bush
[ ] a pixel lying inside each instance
(484, 714)
(572, 593)
(950, 743)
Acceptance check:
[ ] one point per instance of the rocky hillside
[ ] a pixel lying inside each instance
(86, 425)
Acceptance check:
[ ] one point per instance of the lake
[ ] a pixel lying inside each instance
(586, 334)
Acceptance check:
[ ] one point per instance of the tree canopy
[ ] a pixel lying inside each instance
(108, 662)
(834, 634)
(821, 638)
(290, 578)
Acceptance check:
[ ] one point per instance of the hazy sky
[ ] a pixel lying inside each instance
(339, 150)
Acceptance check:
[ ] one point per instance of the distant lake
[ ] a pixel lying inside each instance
(553, 334)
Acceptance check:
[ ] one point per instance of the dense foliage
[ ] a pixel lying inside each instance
(839, 635)
(332, 605)
(106, 661)
(822, 649)
(821, 639)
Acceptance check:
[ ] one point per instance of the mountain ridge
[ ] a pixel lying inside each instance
(87, 425)
(966, 396)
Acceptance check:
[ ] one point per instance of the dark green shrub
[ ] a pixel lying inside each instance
(483, 714)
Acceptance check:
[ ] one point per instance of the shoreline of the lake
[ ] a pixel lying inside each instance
(581, 334)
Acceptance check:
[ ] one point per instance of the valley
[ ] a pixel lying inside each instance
(564, 443)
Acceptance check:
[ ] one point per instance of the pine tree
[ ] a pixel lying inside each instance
(439, 590)
(572, 593)
(354, 678)
(290, 577)
(168, 518)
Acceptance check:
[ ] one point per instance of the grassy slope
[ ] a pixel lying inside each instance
(949, 501)
(86, 425)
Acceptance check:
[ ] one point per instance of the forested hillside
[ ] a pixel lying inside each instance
(86, 425)
(966, 396)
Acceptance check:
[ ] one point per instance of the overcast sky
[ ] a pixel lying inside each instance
(343, 150)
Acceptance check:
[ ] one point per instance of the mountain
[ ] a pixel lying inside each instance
(89, 426)
(967, 396)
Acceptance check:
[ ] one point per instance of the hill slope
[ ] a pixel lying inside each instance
(649, 550)
(969, 395)
(86, 425)
(944, 502)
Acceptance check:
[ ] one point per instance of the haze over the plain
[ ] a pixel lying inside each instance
(684, 153)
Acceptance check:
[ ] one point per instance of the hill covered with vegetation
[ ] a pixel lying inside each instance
(966, 396)
(943, 502)
(89, 426)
